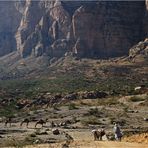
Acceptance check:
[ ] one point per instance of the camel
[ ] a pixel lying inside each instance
(69, 139)
(98, 134)
(41, 122)
(26, 120)
(8, 120)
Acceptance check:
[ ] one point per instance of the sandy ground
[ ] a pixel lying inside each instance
(85, 140)
(92, 144)
(83, 137)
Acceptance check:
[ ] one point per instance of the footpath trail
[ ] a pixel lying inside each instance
(85, 140)
(92, 144)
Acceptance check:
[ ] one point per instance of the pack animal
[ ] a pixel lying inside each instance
(98, 134)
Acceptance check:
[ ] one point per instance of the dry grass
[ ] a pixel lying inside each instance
(92, 144)
(140, 138)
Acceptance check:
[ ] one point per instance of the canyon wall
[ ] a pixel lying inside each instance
(87, 29)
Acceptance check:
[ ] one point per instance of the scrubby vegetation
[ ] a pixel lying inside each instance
(72, 106)
(136, 99)
(94, 112)
(91, 120)
(108, 101)
(14, 142)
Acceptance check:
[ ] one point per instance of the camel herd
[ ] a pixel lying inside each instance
(41, 122)
(97, 134)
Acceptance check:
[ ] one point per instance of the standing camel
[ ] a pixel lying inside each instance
(41, 122)
(26, 120)
(8, 120)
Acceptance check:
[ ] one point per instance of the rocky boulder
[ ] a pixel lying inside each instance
(71, 96)
(92, 94)
(55, 131)
(140, 49)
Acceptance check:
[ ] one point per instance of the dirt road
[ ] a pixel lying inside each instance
(85, 140)
(92, 144)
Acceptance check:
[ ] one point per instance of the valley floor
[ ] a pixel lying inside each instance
(92, 144)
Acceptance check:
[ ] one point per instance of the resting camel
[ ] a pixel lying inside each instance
(8, 120)
(98, 134)
(26, 120)
(41, 122)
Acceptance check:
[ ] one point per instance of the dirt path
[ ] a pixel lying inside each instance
(92, 144)
(85, 140)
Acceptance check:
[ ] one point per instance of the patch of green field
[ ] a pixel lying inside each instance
(64, 84)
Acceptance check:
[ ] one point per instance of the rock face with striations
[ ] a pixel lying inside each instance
(88, 29)
(44, 23)
(9, 22)
(116, 26)
(146, 20)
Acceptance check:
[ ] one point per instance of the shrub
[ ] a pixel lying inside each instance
(55, 107)
(72, 106)
(136, 99)
(108, 101)
(94, 112)
(30, 139)
(91, 120)
(11, 143)
(33, 135)
(112, 120)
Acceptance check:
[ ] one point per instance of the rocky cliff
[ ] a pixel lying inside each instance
(140, 49)
(87, 29)
(9, 22)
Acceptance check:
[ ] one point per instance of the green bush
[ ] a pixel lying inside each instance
(136, 99)
(94, 112)
(8, 111)
(72, 106)
(108, 101)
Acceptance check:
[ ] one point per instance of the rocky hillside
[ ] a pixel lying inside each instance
(87, 29)
(140, 49)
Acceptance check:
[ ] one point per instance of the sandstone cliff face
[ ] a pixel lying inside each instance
(9, 22)
(116, 26)
(146, 20)
(88, 29)
(45, 23)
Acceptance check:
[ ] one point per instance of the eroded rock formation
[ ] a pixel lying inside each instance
(9, 22)
(89, 29)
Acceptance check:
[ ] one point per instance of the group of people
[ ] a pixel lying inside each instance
(98, 134)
